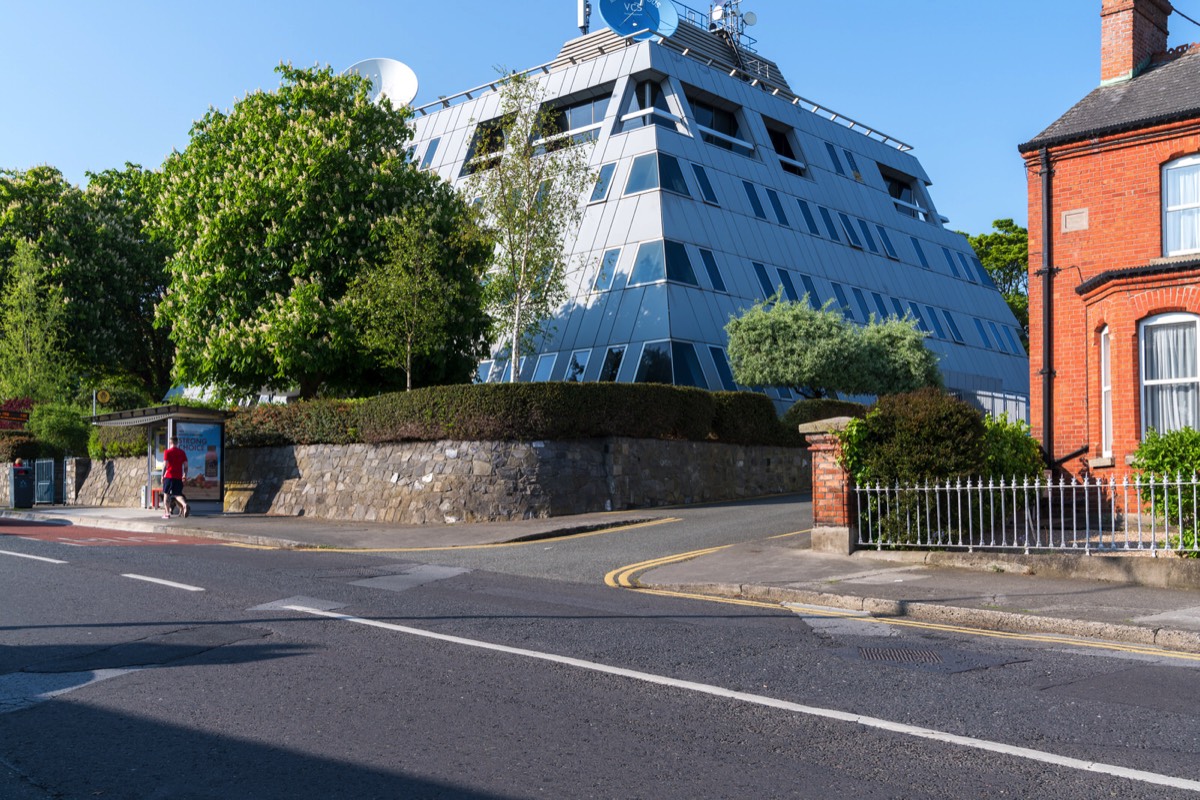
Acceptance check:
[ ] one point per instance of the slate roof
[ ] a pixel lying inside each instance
(1163, 93)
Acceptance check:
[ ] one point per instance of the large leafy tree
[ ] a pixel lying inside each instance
(819, 352)
(33, 362)
(420, 309)
(271, 208)
(1004, 253)
(528, 179)
(93, 245)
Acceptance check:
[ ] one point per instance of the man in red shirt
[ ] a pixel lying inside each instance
(174, 472)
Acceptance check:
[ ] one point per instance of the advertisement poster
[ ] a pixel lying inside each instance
(202, 443)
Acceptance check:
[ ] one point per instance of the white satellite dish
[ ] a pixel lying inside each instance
(750, 18)
(389, 78)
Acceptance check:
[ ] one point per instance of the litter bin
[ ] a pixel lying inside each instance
(21, 487)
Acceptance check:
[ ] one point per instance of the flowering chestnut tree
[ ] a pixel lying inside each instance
(271, 209)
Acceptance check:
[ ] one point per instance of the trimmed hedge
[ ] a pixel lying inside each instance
(18, 444)
(116, 442)
(517, 412)
(815, 408)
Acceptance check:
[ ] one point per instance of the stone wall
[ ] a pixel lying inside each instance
(450, 481)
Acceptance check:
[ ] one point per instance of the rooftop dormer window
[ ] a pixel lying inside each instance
(783, 142)
(718, 125)
(905, 194)
(648, 106)
(574, 122)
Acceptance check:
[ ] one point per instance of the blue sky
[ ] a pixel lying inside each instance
(88, 85)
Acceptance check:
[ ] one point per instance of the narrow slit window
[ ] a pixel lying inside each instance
(837, 162)
(918, 316)
(843, 303)
(755, 202)
(810, 289)
(962, 259)
(655, 364)
(650, 265)
(916, 243)
(714, 274)
(827, 218)
(996, 335)
(851, 234)
(933, 320)
(867, 237)
(789, 288)
(603, 183)
(577, 366)
(706, 187)
(888, 247)
(679, 265)
(861, 300)
(723, 371)
(612, 364)
(430, 152)
(608, 268)
(982, 333)
(777, 207)
(545, 366)
(950, 260)
(764, 280)
(671, 175)
(882, 306)
(954, 331)
(809, 222)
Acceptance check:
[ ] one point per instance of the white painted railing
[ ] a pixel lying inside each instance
(1132, 514)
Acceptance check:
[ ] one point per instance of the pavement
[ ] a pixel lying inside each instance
(1141, 602)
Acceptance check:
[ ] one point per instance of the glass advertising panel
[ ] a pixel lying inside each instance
(201, 441)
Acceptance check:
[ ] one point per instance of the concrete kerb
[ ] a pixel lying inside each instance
(158, 529)
(986, 619)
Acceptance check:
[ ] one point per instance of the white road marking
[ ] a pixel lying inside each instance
(771, 702)
(172, 584)
(35, 558)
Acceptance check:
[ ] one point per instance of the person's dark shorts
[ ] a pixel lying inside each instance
(173, 487)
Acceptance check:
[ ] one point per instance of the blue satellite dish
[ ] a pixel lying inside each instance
(640, 19)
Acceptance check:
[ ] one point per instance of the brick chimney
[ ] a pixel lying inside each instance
(1131, 31)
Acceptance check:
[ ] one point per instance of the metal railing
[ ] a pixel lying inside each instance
(1140, 513)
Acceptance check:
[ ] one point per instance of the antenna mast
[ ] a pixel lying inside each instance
(585, 16)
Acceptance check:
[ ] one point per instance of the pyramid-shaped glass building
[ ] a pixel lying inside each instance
(719, 185)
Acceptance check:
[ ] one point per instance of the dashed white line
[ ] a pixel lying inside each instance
(826, 713)
(162, 582)
(35, 558)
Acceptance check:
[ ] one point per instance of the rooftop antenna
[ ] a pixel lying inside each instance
(389, 78)
(727, 18)
(585, 16)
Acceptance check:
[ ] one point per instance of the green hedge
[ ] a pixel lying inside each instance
(18, 444)
(116, 442)
(816, 408)
(517, 412)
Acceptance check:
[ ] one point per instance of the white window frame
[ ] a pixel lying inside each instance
(1187, 162)
(1106, 432)
(1172, 318)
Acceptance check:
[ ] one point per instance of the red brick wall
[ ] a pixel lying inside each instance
(1130, 32)
(1118, 180)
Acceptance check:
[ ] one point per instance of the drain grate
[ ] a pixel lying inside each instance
(899, 655)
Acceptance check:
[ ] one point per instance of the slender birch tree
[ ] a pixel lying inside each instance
(528, 177)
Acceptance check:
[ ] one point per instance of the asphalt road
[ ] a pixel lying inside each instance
(514, 672)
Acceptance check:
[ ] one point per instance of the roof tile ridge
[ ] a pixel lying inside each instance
(1173, 53)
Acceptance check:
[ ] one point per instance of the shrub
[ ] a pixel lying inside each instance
(1170, 456)
(1011, 451)
(60, 427)
(108, 441)
(918, 436)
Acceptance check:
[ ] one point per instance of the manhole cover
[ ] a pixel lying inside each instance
(899, 655)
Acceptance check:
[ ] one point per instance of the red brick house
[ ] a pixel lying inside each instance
(1114, 250)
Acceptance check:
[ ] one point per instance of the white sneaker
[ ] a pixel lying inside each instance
(166, 516)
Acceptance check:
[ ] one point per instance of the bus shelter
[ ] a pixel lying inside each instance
(201, 434)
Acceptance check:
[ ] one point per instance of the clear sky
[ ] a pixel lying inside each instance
(85, 85)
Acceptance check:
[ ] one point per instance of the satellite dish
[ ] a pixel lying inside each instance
(750, 18)
(389, 78)
(640, 20)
